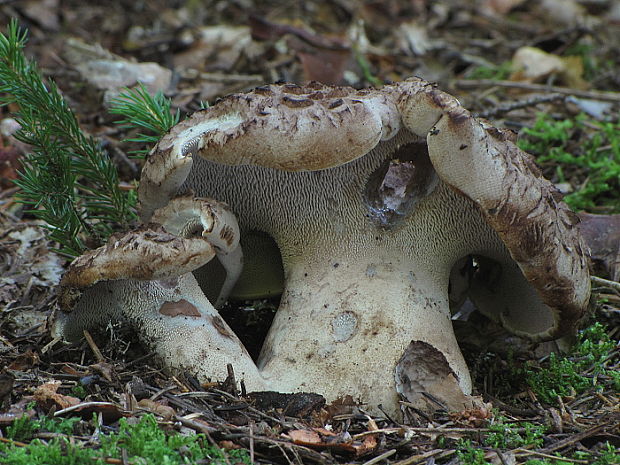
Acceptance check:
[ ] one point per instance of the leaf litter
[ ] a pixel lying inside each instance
(506, 59)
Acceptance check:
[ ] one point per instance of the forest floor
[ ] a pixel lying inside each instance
(549, 70)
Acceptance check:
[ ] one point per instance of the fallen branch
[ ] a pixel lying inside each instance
(510, 106)
(605, 283)
(589, 94)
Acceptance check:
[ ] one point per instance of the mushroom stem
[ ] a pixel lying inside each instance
(232, 262)
(173, 318)
(365, 313)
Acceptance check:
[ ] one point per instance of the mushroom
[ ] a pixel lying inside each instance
(144, 278)
(373, 197)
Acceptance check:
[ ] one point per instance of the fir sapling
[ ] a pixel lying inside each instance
(67, 180)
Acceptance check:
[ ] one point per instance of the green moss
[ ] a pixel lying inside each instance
(144, 442)
(564, 375)
(469, 454)
(506, 435)
(24, 428)
(607, 456)
(494, 72)
(55, 452)
(583, 152)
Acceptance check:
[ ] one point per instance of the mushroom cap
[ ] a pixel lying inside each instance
(524, 208)
(283, 121)
(146, 253)
(187, 215)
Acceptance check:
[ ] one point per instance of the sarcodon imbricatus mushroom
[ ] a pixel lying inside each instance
(374, 199)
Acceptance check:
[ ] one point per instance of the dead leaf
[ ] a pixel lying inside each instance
(498, 7)
(602, 111)
(44, 12)
(426, 380)
(109, 410)
(69, 370)
(46, 396)
(217, 48)
(532, 64)
(473, 417)
(566, 12)
(412, 38)
(325, 439)
(501, 458)
(106, 71)
(164, 411)
(602, 235)
(572, 75)
(326, 66)
(304, 437)
(369, 444)
(25, 361)
(228, 445)
(9, 166)
(323, 58)
(17, 410)
(262, 29)
(340, 406)
(107, 370)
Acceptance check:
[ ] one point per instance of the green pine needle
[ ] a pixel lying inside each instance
(142, 110)
(68, 180)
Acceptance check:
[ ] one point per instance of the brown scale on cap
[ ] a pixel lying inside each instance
(227, 235)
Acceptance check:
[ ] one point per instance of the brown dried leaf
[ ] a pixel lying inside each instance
(369, 444)
(228, 445)
(475, 417)
(304, 437)
(69, 370)
(16, 411)
(164, 411)
(323, 438)
(262, 29)
(46, 396)
(9, 166)
(106, 370)
(25, 361)
(326, 66)
(532, 64)
(499, 7)
(44, 12)
(217, 48)
(110, 411)
(602, 235)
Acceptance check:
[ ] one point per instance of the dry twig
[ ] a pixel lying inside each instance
(589, 94)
